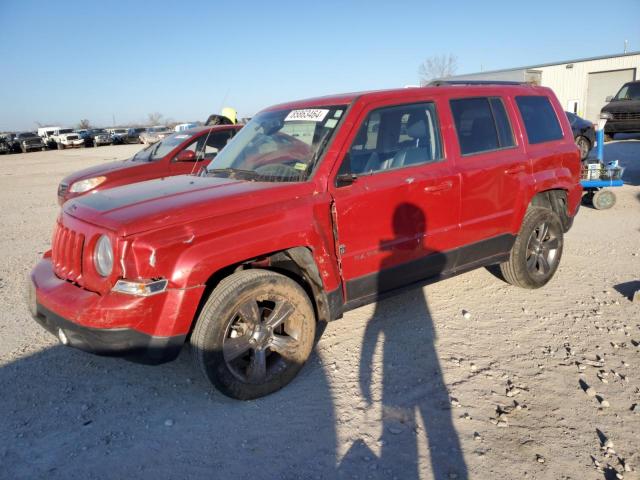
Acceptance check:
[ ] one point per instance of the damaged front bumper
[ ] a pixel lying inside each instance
(149, 329)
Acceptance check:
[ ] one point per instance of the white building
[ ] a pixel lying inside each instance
(582, 86)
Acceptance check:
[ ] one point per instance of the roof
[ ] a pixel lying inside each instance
(540, 65)
(373, 95)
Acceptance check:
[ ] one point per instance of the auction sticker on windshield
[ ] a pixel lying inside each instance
(308, 115)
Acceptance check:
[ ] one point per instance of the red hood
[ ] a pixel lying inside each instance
(165, 202)
(98, 170)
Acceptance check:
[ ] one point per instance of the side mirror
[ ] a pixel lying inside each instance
(344, 179)
(186, 156)
(609, 98)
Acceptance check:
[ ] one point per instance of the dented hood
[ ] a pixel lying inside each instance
(161, 203)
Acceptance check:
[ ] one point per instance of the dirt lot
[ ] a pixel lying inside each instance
(410, 388)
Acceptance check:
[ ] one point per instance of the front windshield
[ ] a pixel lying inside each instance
(280, 146)
(26, 135)
(630, 91)
(158, 150)
(65, 130)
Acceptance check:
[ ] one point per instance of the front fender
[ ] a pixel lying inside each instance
(189, 255)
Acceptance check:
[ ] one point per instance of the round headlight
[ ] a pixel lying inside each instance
(82, 186)
(103, 256)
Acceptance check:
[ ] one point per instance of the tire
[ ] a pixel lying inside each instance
(584, 145)
(536, 253)
(603, 200)
(245, 349)
(44, 149)
(60, 146)
(608, 137)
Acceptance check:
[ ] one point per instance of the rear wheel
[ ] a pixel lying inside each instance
(584, 145)
(254, 334)
(536, 253)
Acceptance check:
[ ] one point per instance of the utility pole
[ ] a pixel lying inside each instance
(626, 46)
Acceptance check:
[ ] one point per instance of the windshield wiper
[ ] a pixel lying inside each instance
(232, 172)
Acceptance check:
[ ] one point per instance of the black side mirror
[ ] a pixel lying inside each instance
(344, 179)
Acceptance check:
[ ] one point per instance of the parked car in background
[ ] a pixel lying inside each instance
(584, 133)
(12, 144)
(249, 259)
(154, 134)
(96, 137)
(46, 133)
(62, 138)
(30, 141)
(118, 135)
(177, 154)
(133, 135)
(4, 146)
(623, 111)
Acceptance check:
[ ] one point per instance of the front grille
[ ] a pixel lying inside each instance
(626, 115)
(33, 141)
(66, 254)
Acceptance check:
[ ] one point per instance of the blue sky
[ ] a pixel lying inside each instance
(63, 61)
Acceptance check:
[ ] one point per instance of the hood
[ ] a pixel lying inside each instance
(178, 200)
(99, 170)
(622, 106)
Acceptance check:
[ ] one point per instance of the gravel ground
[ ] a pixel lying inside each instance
(527, 384)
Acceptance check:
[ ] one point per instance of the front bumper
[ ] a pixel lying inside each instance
(148, 330)
(622, 126)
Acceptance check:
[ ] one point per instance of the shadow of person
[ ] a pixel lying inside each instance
(414, 397)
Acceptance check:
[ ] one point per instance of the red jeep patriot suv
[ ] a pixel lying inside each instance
(314, 208)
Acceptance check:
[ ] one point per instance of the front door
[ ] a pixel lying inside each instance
(396, 201)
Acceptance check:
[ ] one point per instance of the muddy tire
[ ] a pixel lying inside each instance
(536, 253)
(254, 333)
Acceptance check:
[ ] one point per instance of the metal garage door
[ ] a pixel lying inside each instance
(603, 84)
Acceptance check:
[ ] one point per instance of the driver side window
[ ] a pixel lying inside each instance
(395, 137)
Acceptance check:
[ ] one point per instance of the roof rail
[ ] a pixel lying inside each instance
(440, 83)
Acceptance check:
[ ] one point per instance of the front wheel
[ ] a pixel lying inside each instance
(536, 253)
(254, 334)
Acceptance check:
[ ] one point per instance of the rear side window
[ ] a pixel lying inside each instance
(482, 124)
(540, 120)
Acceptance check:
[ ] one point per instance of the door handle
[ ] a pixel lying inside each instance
(514, 170)
(439, 187)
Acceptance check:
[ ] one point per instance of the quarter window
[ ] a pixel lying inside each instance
(540, 120)
(395, 137)
(482, 124)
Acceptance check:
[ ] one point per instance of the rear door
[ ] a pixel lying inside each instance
(396, 222)
(492, 168)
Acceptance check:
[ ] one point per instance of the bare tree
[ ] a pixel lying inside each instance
(84, 124)
(154, 118)
(437, 66)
